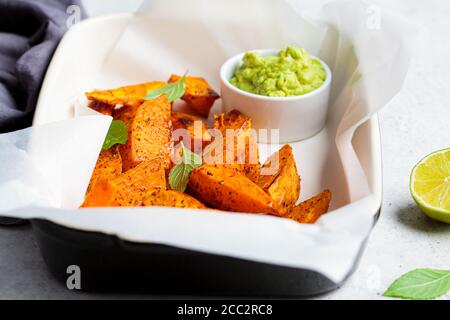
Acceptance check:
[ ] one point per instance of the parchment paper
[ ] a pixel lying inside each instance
(46, 169)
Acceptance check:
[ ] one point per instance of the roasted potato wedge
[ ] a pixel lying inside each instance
(199, 95)
(130, 96)
(129, 188)
(309, 211)
(227, 189)
(283, 185)
(197, 130)
(149, 133)
(170, 198)
(241, 152)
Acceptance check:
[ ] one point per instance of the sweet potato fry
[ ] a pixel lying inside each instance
(241, 152)
(226, 189)
(131, 96)
(109, 165)
(199, 95)
(194, 127)
(149, 133)
(171, 198)
(309, 211)
(129, 188)
(283, 185)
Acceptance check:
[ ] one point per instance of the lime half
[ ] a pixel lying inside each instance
(430, 185)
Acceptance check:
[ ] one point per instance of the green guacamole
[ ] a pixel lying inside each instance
(292, 72)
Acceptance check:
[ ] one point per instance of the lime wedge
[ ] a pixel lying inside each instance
(430, 185)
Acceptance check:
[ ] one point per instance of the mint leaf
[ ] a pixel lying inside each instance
(179, 175)
(420, 284)
(173, 91)
(117, 134)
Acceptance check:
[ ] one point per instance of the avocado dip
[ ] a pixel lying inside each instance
(292, 72)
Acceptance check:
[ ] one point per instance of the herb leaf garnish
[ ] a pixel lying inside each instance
(420, 284)
(179, 175)
(173, 91)
(117, 134)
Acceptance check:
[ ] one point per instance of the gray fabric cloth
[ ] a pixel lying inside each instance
(30, 30)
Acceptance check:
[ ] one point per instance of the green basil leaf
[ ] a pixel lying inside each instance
(173, 91)
(420, 284)
(177, 91)
(117, 134)
(179, 174)
(179, 178)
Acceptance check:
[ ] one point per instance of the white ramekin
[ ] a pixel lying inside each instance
(296, 117)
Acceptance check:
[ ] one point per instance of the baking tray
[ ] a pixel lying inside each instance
(111, 264)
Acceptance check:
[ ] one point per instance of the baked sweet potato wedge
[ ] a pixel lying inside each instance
(309, 211)
(149, 133)
(170, 198)
(129, 188)
(226, 189)
(130, 96)
(195, 129)
(283, 185)
(199, 95)
(109, 165)
(239, 146)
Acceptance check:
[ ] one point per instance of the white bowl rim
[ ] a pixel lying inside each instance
(239, 56)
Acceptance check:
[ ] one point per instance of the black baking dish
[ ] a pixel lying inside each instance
(110, 264)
